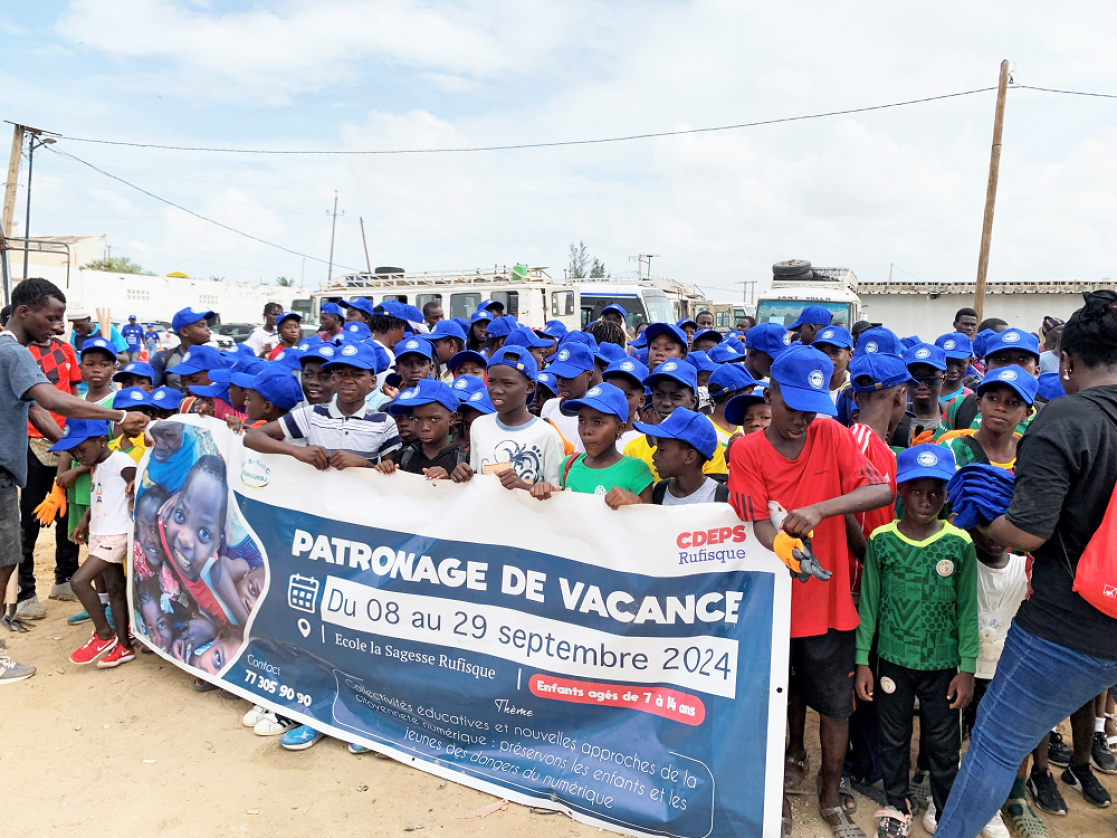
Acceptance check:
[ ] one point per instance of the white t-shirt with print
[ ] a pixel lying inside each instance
(1000, 590)
(534, 449)
(108, 499)
(567, 425)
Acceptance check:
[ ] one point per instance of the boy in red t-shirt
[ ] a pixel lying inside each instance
(813, 470)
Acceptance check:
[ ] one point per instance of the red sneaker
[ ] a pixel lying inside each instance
(120, 654)
(93, 650)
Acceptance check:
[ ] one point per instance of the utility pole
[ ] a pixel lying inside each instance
(640, 264)
(333, 231)
(364, 241)
(10, 186)
(991, 193)
(33, 143)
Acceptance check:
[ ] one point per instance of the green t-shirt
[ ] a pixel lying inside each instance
(627, 473)
(922, 598)
(948, 419)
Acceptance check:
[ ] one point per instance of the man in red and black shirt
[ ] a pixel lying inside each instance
(59, 364)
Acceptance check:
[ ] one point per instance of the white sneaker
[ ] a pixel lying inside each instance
(254, 715)
(271, 725)
(996, 828)
(930, 818)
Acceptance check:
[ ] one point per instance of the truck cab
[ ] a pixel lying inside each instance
(833, 288)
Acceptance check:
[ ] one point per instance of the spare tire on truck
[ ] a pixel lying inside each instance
(792, 269)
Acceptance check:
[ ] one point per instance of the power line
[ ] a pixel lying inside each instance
(597, 141)
(1065, 92)
(196, 215)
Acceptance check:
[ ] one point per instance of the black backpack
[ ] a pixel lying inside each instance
(659, 491)
(412, 451)
(967, 412)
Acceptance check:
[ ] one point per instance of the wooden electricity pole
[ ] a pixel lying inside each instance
(991, 194)
(10, 186)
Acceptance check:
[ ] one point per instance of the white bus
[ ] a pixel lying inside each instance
(528, 293)
(642, 302)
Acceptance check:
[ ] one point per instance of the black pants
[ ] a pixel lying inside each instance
(895, 692)
(40, 481)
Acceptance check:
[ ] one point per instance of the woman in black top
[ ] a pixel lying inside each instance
(1060, 651)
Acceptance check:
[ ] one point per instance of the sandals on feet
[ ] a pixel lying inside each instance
(794, 772)
(845, 793)
(840, 824)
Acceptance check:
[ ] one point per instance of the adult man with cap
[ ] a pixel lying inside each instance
(432, 314)
(84, 327)
(810, 322)
(192, 327)
(331, 318)
(763, 344)
(133, 335)
(264, 338)
(496, 307)
(837, 344)
(38, 308)
(614, 313)
(360, 308)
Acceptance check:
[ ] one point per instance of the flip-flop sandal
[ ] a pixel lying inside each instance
(840, 824)
(845, 793)
(794, 772)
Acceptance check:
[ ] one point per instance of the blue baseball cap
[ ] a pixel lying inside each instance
(615, 308)
(446, 329)
(131, 397)
(306, 344)
(737, 407)
(1018, 378)
(584, 338)
(555, 329)
(288, 358)
(927, 460)
(956, 345)
(245, 364)
(701, 361)
(706, 334)
(980, 340)
(1050, 387)
(910, 341)
(516, 357)
(78, 431)
(629, 367)
(466, 355)
(332, 308)
(355, 330)
(883, 372)
(571, 360)
(92, 344)
(278, 386)
(166, 398)
(502, 327)
(603, 397)
(135, 368)
(686, 426)
(878, 340)
(132, 317)
(638, 343)
(473, 393)
(427, 391)
(324, 352)
(288, 315)
(201, 359)
(524, 336)
(463, 324)
(1012, 339)
(607, 353)
(676, 370)
(813, 316)
(211, 391)
(686, 321)
(675, 332)
(804, 375)
(481, 314)
(835, 336)
(414, 346)
(770, 338)
(926, 353)
(725, 353)
(356, 354)
(735, 342)
(362, 304)
(490, 304)
(730, 378)
(545, 379)
(184, 317)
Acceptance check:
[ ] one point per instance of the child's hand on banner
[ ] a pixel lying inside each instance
(618, 497)
(462, 473)
(386, 467)
(347, 459)
(436, 473)
(542, 490)
(314, 455)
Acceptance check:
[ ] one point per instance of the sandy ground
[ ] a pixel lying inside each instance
(135, 752)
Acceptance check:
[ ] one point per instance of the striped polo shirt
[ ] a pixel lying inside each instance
(369, 433)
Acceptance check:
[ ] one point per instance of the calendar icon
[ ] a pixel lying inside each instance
(302, 593)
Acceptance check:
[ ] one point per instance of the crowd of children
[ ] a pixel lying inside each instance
(836, 443)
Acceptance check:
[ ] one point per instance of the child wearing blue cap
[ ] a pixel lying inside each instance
(919, 600)
(192, 328)
(331, 318)
(288, 330)
(959, 355)
(665, 342)
(763, 344)
(602, 469)
(165, 402)
(433, 410)
(132, 399)
(683, 446)
(837, 344)
(725, 383)
(105, 525)
(926, 365)
(628, 376)
(1004, 401)
(344, 433)
(317, 383)
(811, 321)
(474, 401)
(519, 448)
(574, 370)
(136, 374)
(414, 361)
(478, 330)
(447, 339)
(468, 362)
(269, 395)
(798, 479)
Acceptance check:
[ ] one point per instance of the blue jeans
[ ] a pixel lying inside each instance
(1038, 684)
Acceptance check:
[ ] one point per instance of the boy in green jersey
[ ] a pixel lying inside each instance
(919, 598)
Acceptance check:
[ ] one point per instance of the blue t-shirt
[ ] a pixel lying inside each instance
(18, 374)
(133, 336)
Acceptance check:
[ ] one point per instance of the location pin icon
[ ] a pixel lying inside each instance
(304, 627)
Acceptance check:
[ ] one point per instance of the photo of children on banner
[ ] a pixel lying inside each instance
(198, 575)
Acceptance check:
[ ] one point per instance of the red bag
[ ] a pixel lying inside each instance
(1096, 578)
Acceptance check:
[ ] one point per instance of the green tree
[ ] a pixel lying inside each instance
(285, 282)
(217, 279)
(598, 269)
(579, 260)
(117, 265)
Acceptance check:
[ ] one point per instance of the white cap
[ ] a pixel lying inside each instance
(76, 313)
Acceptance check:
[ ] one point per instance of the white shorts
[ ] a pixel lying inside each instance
(109, 548)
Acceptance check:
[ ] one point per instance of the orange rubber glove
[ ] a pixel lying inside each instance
(785, 546)
(53, 506)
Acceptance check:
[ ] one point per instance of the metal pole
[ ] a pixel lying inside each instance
(364, 241)
(7, 279)
(333, 231)
(991, 194)
(27, 223)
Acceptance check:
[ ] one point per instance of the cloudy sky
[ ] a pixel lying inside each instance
(903, 186)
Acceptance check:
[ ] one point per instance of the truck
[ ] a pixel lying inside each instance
(797, 284)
